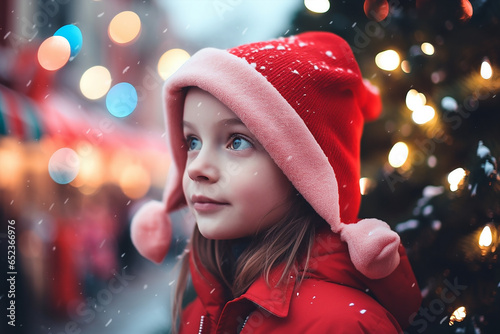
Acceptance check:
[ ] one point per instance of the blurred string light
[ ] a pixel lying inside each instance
(423, 115)
(486, 70)
(12, 163)
(398, 154)
(486, 237)
(135, 181)
(124, 27)
(432, 161)
(366, 185)
(427, 48)
(416, 102)
(121, 100)
(54, 53)
(170, 61)
(74, 36)
(95, 82)
(387, 60)
(405, 66)
(455, 178)
(458, 315)
(438, 76)
(91, 175)
(448, 103)
(64, 165)
(317, 6)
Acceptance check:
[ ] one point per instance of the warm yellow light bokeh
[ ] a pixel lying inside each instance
(365, 185)
(317, 6)
(398, 154)
(455, 178)
(135, 181)
(91, 175)
(458, 315)
(486, 237)
(427, 48)
(124, 27)
(405, 66)
(170, 61)
(415, 100)
(486, 70)
(387, 60)
(95, 82)
(423, 115)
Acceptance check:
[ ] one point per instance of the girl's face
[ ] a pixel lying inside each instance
(231, 184)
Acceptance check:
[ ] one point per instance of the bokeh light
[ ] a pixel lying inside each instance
(458, 315)
(74, 36)
(455, 178)
(405, 66)
(486, 70)
(95, 82)
(387, 60)
(486, 237)
(135, 181)
(13, 163)
(92, 171)
(423, 115)
(366, 185)
(415, 100)
(64, 165)
(54, 53)
(317, 6)
(170, 61)
(124, 27)
(427, 48)
(398, 154)
(121, 100)
(449, 103)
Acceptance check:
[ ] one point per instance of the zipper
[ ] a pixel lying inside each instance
(202, 320)
(244, 323)
(200, 331)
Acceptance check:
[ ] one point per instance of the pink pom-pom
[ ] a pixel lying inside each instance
(373, 247)
(151, 231)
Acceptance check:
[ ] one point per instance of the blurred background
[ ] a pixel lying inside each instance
(82, 145)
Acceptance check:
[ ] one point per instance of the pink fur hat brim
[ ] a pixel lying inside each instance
(251, 97)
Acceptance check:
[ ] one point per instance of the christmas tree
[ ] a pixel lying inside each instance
(429, 163)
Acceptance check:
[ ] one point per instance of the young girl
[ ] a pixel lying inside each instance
(265, 142)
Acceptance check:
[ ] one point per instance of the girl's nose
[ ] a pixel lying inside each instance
(203, 167)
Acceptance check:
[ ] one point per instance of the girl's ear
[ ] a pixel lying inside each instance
(151, 231)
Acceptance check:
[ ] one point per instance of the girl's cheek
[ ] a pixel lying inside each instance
(185, 182)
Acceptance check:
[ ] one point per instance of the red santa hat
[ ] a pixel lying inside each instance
(308, 90)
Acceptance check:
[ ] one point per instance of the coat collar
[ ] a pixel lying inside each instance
(329, 262)
(213, 296)
(270, 297)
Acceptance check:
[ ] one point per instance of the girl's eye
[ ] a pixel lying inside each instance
(193, 144)
(239, 144)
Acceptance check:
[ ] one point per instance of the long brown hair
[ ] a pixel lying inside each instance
(287, 242)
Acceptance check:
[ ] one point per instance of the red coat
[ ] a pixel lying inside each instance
(335, 298)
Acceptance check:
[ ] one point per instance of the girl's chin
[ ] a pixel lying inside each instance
(217, 234)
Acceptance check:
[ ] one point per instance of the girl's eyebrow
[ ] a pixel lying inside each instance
(186, 124)
(231, 121)
(225, 121)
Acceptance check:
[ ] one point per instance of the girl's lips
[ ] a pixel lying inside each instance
(204, 204)
(208, 207)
